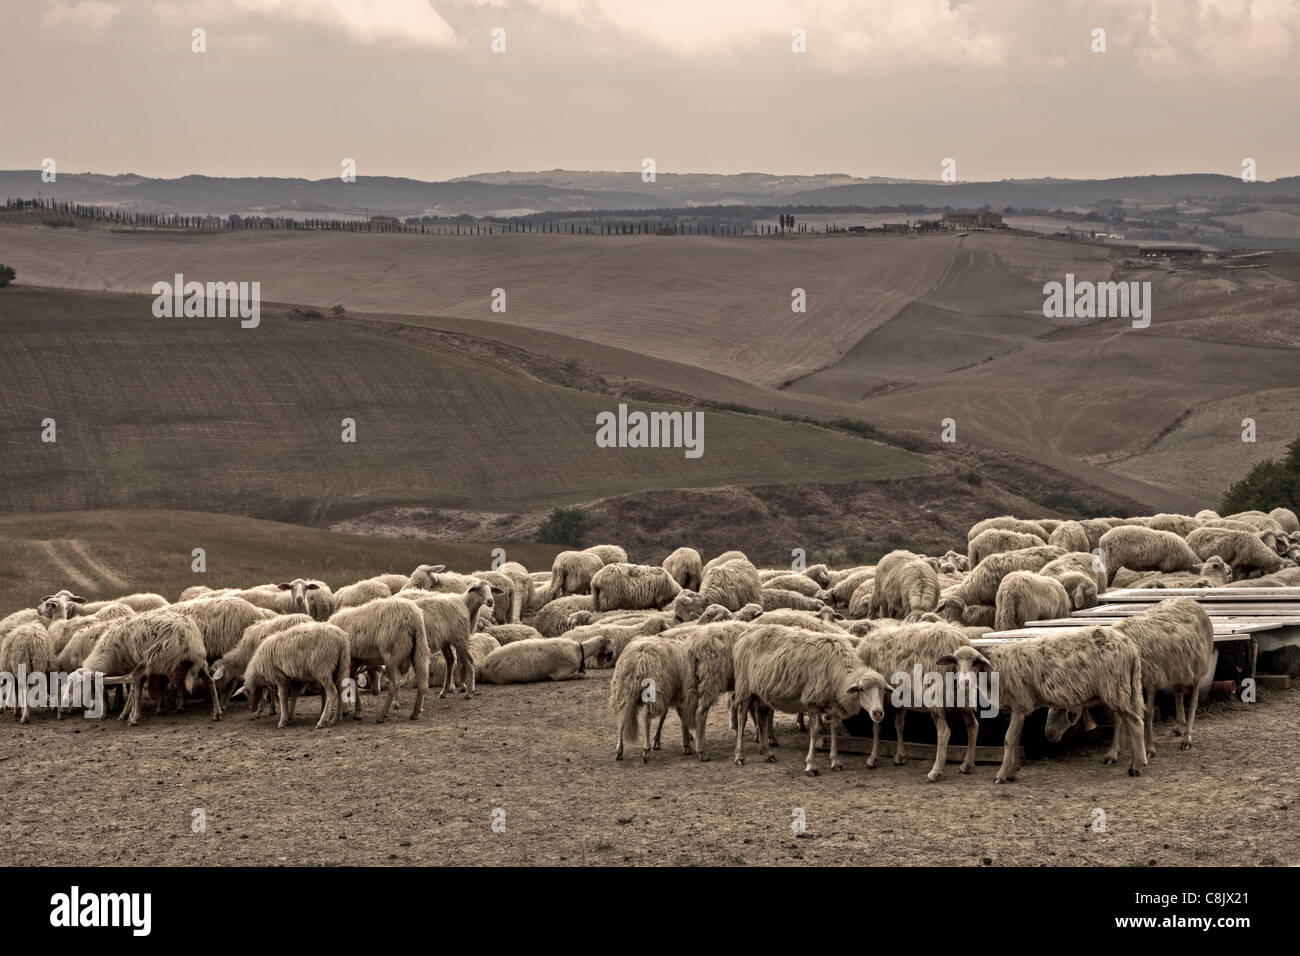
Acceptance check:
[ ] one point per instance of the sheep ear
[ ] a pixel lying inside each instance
(218, 672)
(313, 587)
(855, 689)
(946, 659)
(435, 568)
(48, 597)
(285, 586)
(837, 616)
(497, 590)
(77, 599)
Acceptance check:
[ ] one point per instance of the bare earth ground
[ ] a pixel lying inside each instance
(89, 792)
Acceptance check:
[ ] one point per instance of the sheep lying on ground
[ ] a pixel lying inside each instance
(619, 634)
(714, 613)
(775, 598)
(904, 585)
(1244, 552)
(1006, 523)
(553, 618)
(795, 671)
(1175, 641)
(825, 620)
(1067, 672)
(789, 581)
(1026, 596)
(651, 678)
(998, 540)
(1142, 549)
(632, 587)
(509, 633)
(686, 567)
(388, 632)
(298, 657)
(908, 652)
(557, 658)
(27, 650)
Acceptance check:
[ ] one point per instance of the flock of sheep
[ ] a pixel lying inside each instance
(824, 644)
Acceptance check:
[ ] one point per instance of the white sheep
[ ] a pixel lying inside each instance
(904, 584)
(650, 678)
(733, 584)
(795, 671)
(709, 672)
(1025, 596)
(1243, 551)
(361, 592)
(1006, 523)
(998, 540)
(1070, 536)
(980, 586)
(571, 573)
(300, 656)
(389, 631)
(230, 667)
(556, 658)
(686, 567)
(1142, 549)
(27, 650)
(223, 620)
(777, 598)
(632, 587)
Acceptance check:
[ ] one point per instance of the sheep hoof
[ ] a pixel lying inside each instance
(703, 757)
(1178, 731)
(740, 761)
(871, 763)
(1134, 772)
(1107, 760)
(966, 767)
(771, 758)
(618, 756)
(837, 766)
(899, 761)
(645, 756)
(658, 746)
(811, 772)
(1152, 752)
(1185, 745)
(934, 775)
(686, 751)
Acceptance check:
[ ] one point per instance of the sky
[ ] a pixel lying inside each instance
(1006, 88)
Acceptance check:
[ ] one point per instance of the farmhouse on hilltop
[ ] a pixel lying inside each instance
(973, 219)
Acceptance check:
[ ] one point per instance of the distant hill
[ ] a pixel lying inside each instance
(517, 193)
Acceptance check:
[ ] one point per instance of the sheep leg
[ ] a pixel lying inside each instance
(356, 696)
(800, 723)
(138, 689)
(659, 731)
(466, 669)
(941, 737)
(972, 734)
(1191, 715)
(449, 659)
(731, 720)
(1009, 766)
(295, 690)
(809, 769)
(282, 692)
(761, 716)
(1148, 720)
(329, 702)
(649, 719)
(769, 721)
(25, 717)
(875, 745)
(701, 721)
(1180, 718)
(122, 714)
(1137, 734)
(835, 748)
(421, 689)
(212, 691)
(686, 730)
(618, 754)
(1113, 754)
(391, 694)
(740, 711)
(900, 754)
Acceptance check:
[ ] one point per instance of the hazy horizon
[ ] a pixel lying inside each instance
(1010, 89)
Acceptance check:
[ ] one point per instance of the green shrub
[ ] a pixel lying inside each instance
(565, 526)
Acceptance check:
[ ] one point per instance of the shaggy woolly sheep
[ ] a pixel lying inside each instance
(774, 598)
(998, 540)
(1077, 562)
(1181, 525)
(904, 584)
(632, 587)
(959, 561)
(556, 658)
(1142, 549)
(571, 573)
(709, 672)
(651, 677)
(308, 597)
(1081, 588)
(449, 623)
(732, 584)
(686, 567)
(519, 589)
(222, 621)
(553, 618)
(1175, 641)
(790, 581)
(302, 655)
(362, 592)
(1070, 536)
(825, 620)
(509, 633)
(1026, 596)
(1244, 552)
(981, 585)
(27, 650)
(1286, 520)
(608, 553)
(841, 592)
(1094, 528)
(63, 630)
(1006, 523)
(713, 614)
(389, 631)
(147, 601)
(1066, 671)
(909, 652)
(795, 671)
(230, 667)
(726, 556)
(1257, 520)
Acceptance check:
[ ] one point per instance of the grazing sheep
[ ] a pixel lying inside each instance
(362, 592)
(230, 667)
(824, 620)
(571, 573)
(959, 562)
(63, 630)
(1175, 641)
(1070, 536)
(302, 655)
(79, 644)
(1286, 519)
(996, 541)
(709, 672)
(861, 600)
(1081, 588)
(632, 587)
(904, 584)
(1244, 552)
(789, 581)
(557, 658)
(1026, 596)
(1258, 520)
(797, 671)
(1213, 573)
(980, 586)
(137, 602)
(509, 633)
(1285, 578)
(198, 590)
(1181, 525)
(389, 631)
(650, 677)
(1077, 562)
(27, 650)
(157, 643)
(222, 621)
(774, 598)
(841, 592)
(747, 613)
(1141, 549)
(1006, 523)
(1094, 528)
(713, 614)
(733, 584)
(726, 556)
(1067, 672)
(608, 553)
(553, 618)
(686, 567)
(913, 651)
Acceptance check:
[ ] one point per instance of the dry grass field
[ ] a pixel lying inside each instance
(423, 793)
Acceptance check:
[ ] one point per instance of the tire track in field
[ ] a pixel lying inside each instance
(75, 562)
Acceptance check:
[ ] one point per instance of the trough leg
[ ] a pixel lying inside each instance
(941, 736)
(1009, 766)
(972, 735)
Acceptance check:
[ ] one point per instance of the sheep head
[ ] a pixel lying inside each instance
(969, 663)
(870, 690)
(688, 605)
(300, 589)
(59, 606)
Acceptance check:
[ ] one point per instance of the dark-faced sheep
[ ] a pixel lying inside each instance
(797, 671)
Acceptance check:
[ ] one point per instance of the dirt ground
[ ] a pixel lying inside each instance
(424, 793)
